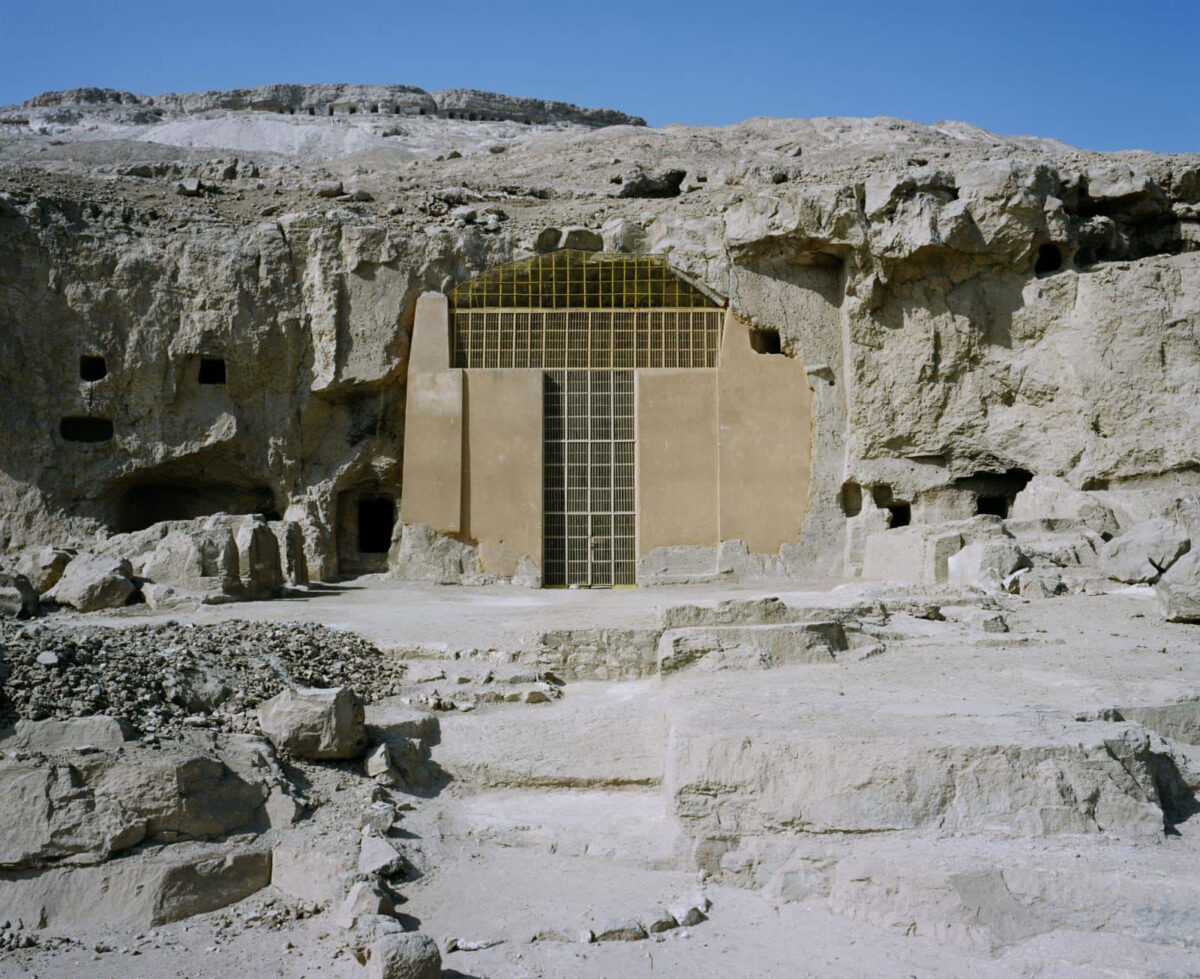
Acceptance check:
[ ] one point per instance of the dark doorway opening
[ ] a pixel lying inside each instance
(92, 368)
(997, 506)
(86, 429)
(376, 520)
(901, 515)
(212, 370)
(765, 341)
(1049, 259)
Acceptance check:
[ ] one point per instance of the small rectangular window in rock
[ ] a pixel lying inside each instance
(81, 429)
(92, 367)
(212, 370)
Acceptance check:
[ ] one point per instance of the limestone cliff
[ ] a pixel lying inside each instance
(973, 310)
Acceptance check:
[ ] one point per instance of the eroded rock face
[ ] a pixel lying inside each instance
(972, 308)
(90, 808)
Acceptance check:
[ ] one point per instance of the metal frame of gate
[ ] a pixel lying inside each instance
(589, 499)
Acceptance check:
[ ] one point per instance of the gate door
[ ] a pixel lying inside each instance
(588, 479)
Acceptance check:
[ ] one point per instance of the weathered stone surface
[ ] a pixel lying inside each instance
(50, 736)
(314, 722)
(43, 566)
(1145, 551)
(750, 646)
(97, 805)
(92, 582)
(619, 931)
(1179, 590)
(986, 563)
(407, 956)
(199, 557)
(918, 555)
(18, 598)
(138, 891)
(318, 871)
(290, 537)
(365, 898)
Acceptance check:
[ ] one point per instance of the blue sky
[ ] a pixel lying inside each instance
(1101, 74)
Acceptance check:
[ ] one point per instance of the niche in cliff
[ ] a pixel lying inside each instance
(184, 489)
(1123, 222)
(995, 492)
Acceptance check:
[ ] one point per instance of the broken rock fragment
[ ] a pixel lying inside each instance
(1145, 551)
(1179, 590)
(92, 582)
(313, 722)
(410, 955)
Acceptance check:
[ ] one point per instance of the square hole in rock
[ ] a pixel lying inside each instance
(212, 370)
(92, 367)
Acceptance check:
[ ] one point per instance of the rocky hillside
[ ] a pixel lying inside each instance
(974, 310)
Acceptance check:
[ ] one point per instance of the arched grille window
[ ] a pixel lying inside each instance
(576, 309)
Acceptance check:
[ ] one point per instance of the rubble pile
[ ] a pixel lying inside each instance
(163, 677)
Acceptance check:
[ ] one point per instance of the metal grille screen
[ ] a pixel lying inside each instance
(588, 481)
(602, 338)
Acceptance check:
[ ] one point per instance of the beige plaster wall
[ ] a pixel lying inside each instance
(676, 458)
(765, 443)
(433, 423)
(502, 473)
(433, 451)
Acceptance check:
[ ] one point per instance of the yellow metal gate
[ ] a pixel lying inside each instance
(588, 478)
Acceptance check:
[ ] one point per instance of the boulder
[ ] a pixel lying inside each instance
(1179, 590)
(986, 564)
(1145, 551)
(410, 955)
(364, 898)
(1053, 498)
(314, 722)
(582, 239)
(206, 557)
(18, 598)
(638, 183)
(620, 931)
(101, 804)
(92, 582)
(547, 240)
(43, 566)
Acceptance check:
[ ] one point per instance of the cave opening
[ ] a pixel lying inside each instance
(376, 520)
(765, 340)
(212, 370)
(1049, 259)
(996, 506)
(852, 498)
(92, 368)
(143, 504)
(899, 515)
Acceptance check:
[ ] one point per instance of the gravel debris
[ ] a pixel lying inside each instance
(162, 678)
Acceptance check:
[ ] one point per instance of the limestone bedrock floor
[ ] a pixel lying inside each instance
(559, 817)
